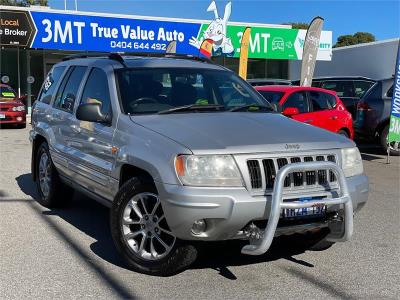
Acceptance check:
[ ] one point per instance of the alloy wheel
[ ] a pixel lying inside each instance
(145, 229)
(44, 174)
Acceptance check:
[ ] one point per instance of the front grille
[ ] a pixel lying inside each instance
(269, 167)
(255, 174)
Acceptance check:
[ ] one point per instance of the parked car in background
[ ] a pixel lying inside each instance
(373, 114)
(268, 81)
(12, 110)
(349, 89)
(315, 106)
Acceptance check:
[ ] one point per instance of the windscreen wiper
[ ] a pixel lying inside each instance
(192, 108)
(252, 107)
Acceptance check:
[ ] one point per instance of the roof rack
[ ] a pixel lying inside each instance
(119, 58)
(114, 56)
(171, 55)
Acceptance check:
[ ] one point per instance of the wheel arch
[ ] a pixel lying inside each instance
(345, 129)
(129, 171)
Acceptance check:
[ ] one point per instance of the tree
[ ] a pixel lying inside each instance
(24, 2)
(298, 25)
(357, 38)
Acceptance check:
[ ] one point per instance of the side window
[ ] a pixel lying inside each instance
(66, 94)
(319, 101)
(96, 90)
(342, 88)
(297, 100)
(50, 83)
(361, 87)
(331, 100)
(389, 93)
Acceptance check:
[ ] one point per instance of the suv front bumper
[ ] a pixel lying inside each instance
(228, 210)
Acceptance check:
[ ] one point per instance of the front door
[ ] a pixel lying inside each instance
(93, 142)
(299, 100)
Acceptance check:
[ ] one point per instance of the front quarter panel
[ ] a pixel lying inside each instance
(146, 149)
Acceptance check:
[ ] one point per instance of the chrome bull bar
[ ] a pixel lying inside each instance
(262, 245)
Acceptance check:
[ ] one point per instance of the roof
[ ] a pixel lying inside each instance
(289, 88)
(343, 78)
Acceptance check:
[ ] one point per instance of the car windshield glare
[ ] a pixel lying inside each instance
(150, 91)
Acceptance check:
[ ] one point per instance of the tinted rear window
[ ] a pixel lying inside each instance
(50, 83)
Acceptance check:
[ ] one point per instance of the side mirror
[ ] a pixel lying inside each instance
(290, 111)
(91, 112)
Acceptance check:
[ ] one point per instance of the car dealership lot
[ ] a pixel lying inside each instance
(68, 253)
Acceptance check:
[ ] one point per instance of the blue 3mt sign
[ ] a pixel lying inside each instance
(97, 33)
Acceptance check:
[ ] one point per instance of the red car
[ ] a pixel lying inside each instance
(315, 106)
(12, 110)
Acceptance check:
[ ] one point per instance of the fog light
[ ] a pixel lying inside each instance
(199, 227)
(19, 119)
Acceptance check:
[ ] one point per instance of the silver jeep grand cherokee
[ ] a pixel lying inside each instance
(183, 150)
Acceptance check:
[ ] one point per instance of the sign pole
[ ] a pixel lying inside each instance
(19, 74)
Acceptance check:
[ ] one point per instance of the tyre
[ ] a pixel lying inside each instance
(383, 140)
(344, 133)
(52, 191)
(141, 233)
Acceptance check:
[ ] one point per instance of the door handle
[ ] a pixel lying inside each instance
(308, 121)
(334, 118)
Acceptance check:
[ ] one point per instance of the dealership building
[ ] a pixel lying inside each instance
(33, 39)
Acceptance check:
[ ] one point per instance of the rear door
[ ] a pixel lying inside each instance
(322, 112)
(61, 117)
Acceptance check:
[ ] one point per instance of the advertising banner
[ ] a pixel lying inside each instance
(84, 32)
(310, 51)
(16, 28)
(394, 128)
(244, 53)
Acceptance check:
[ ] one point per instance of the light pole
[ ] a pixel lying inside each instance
(76, 5)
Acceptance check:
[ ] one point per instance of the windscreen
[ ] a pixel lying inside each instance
(272, 97)
(149, 91)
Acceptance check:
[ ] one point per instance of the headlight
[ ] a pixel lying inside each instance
(208, 170)
(352, 162)
(18, 108)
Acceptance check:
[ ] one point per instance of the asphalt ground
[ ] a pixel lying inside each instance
(68, 253)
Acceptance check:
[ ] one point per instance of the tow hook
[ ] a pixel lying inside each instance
(253, 232)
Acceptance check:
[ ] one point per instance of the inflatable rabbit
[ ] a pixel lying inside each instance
(216, 32)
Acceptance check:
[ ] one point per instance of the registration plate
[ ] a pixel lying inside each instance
(2, 116)
(314, 211)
